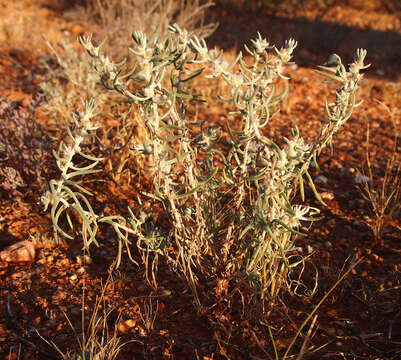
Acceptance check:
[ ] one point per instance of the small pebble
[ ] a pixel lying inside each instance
(130, 323)
(360, 179)
(162, 292)
(327, 195)
(83, 259)
(321, 179)
(81, 270)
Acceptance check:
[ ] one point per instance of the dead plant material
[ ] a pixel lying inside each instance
(383, 194)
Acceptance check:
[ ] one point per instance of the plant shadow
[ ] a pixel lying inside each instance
(317, 39)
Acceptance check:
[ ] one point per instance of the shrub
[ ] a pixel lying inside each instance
(70, 80)
(232, 209)
(23, 148)
(382, 193)
(118, 18)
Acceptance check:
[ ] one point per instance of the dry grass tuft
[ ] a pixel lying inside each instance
(96, 341)
(117, 19)
(70, 79)
(383, 193)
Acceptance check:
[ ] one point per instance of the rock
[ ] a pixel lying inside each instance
(81, 270)
(161, 292)
(326, 195)
(360, 179)
(130, 323)
(124, 327)
(22, 251)
(321, 179)
(84, 259)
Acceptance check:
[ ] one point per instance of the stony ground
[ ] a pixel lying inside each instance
(361, 319)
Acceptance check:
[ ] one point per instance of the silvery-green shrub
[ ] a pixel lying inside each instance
(229, 193)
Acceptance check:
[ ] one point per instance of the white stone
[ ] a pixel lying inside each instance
(360, 179)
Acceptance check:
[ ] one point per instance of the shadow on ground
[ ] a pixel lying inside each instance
(317, 39)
